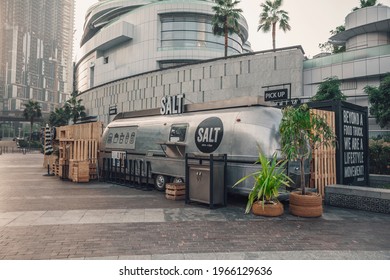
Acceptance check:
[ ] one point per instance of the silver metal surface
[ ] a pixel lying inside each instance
(245, 132)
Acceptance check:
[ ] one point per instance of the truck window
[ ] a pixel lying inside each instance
(121, 138)
(178, 133)
(109, 138)
(116, 137)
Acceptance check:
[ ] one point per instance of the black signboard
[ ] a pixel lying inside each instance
(354, 146)
(351, 122)
(112, 110)
(276, 94)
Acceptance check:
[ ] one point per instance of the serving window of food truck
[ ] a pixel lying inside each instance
(174, 147)
(178, 133)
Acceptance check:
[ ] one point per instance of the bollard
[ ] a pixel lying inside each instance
(110, 176)
(48, 171)
(103, 170)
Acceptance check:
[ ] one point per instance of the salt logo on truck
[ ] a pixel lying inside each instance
(209, 134)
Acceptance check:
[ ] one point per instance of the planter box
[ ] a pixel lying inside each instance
(361, 198)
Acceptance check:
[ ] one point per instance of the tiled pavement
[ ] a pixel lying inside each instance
(43, 217)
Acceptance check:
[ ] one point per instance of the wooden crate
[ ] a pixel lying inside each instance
(78, 147)
(79, 171)
(70, 174)
(93, 172)
(85, 150)
(55, 168)
(64, 133)
(60, 170)
(80, 131)
(175, 191)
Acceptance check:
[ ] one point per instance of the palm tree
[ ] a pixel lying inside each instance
(31, 112)
(60, 116)
(271, 15)
(225, 19)
(75, 108)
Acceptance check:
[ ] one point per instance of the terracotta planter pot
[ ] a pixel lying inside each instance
(269, 210)
(309, 205)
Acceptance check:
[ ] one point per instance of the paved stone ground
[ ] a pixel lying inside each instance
(44, 217)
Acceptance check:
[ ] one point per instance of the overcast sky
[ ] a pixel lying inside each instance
(310, 20)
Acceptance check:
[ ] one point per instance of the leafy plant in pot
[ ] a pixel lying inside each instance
(301, 132)
(262, 199)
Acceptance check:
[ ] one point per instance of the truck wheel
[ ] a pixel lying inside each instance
(159, 182)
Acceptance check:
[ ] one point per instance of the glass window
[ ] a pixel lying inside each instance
(127, 137)
(167, 35)
(167, 25)
(116, 137)
(121, 138)
(178, 133)
(109, 138)
(194, 31)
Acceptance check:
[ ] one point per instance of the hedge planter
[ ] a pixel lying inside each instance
(270, 209)
(308, 205)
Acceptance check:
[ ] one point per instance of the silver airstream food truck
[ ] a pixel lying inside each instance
(162, 137)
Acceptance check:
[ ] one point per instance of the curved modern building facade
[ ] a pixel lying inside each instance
(365, 62)
(123, 38)
(136, 52)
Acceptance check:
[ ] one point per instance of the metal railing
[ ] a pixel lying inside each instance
(127, 172)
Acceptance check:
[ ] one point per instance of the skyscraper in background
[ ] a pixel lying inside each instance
(36, 41)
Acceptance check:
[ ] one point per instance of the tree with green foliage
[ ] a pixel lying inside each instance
(73, 105)
(329, 89)
(270, 16)
(379, 98)
(333, 48)
(365, 4)
(330, 47)
(31, 112)
(301, 132)
(60, 116)
(225, 19)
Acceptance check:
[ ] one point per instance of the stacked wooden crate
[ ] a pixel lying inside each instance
(93, 171)
(51, 161)
(78, 150)
(79, 171)
(55, 168)
(175, 191)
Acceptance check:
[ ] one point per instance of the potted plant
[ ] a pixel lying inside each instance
(302, 132)
(262, 199)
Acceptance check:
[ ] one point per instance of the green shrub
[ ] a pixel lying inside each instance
(379, 156)
(32, 145)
